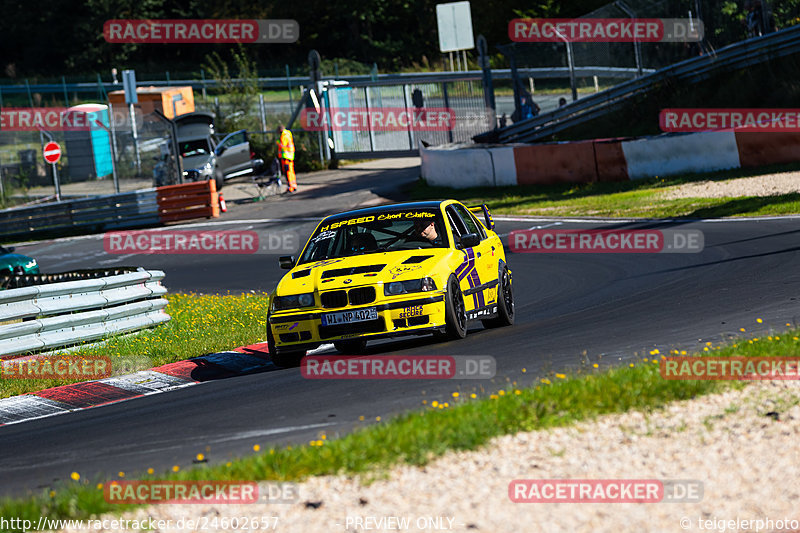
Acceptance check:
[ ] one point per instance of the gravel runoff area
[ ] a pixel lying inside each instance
(766, 185)
(742, 445)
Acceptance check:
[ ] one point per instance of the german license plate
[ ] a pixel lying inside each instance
(348, 317)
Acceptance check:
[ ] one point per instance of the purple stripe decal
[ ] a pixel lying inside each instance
(476, 281)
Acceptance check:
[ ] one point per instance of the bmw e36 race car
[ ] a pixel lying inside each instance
(403, 269)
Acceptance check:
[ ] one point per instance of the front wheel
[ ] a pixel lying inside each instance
(219, 179)
(505, 302)
(455, 313)
(284, 359)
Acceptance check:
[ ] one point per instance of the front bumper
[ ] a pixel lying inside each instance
(417, 314)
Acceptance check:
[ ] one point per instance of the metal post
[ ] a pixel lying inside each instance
(571, 72)
(56, 183)
(203, 75)
(512, 61)
(2, 190)
(135, 135)
(596, 84)
(113, 146)
(458, 61)
(262, 112)
(64, 85)
(637, 45)
(571, 65)
(405, 105)
(326, 107)
(289, 85)
(488, 87)
(451, 61)
(447, 106)
(369, 122)
(466, 68)
(168, 80)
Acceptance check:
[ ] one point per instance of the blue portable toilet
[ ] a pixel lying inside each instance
(88, 149)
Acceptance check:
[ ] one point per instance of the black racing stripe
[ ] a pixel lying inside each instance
(383, 307)
(487, 285)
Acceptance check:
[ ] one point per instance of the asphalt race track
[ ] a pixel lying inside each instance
(607, 308)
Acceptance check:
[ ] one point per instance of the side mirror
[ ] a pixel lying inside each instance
(286, 262)
(11, 249)
(221, 150)
(469, 240)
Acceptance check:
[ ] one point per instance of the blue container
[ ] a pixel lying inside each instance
(88, 151)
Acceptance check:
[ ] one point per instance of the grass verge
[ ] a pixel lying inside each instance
(200, 324)
(640, 198)
(418, 437)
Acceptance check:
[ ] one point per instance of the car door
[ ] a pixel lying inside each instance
(233, 153)
(484, 272)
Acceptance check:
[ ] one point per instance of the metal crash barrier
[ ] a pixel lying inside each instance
(66, 313)
(143, 208)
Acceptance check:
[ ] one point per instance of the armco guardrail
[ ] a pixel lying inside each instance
(147, 207)
(57, 315)
(693, 70)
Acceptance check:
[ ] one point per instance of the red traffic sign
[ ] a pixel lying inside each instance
(52, 152)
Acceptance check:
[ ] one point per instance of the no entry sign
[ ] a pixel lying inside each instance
(52, 152)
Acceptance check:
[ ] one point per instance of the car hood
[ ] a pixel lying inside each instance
(369, 269)
(12, 260)
(197, 161)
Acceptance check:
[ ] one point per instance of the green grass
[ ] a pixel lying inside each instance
(639, 198)
(463, 423)
(200, 324)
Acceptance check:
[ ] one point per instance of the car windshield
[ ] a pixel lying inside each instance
(384, 232)
(196, 147)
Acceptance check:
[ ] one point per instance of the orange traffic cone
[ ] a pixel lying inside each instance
(222, 207)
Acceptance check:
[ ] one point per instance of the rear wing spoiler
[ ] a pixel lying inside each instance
(483, 210)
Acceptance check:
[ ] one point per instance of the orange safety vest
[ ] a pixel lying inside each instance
(286, 145)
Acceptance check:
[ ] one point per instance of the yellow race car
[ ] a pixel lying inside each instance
(403, 269)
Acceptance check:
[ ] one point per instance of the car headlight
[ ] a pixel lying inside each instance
(207, 168)
(293, 301)
(31, 263)
(413, 285)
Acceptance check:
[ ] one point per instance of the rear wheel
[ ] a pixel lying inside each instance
(455, 313)
(505, 302)
(350, 347)
(283, 359)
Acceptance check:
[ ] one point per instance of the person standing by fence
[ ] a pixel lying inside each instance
(286, 155)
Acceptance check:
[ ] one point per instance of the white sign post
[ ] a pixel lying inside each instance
(454, 21)
(52, 153)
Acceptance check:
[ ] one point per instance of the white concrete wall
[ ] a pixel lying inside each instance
(681, 154)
